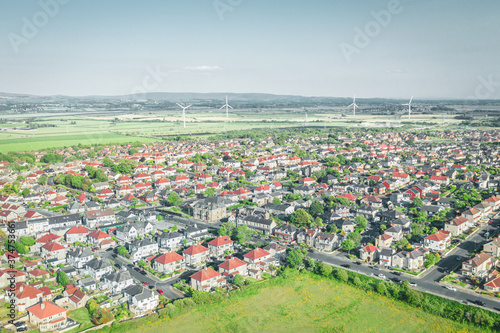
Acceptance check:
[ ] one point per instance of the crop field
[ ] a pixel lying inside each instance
(117, 128)
(302, 303)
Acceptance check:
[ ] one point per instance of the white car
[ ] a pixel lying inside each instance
(382, 276)
(451, 288)
(413, 284)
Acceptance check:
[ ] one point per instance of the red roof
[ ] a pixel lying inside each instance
(438, 236)
(47, 238)
(232, 264)
(221, 240)
(53, 247)
(168, 258)
(99, 234)
(256, 254)
(77, 229)
(263, 188)
(370, 248)
(49, 310)
(195, 249)
(205, 274)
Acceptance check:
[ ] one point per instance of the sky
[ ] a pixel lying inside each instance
(371, 48)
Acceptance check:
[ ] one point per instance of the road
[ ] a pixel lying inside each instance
(430, 281)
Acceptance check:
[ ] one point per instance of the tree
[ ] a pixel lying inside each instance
(296, 257)
(381, 288)
(276, 201)
(42, 180)
(174, 199)
(316, 208)
(209, 192)
(348, 245)
(361, 221)
(238, 280)
(26, 191)
(301, 218)
(311, 264)
(357, 282)
(341, 275)
(417, 202)
(227, 229)
(62, 278)
(122, 251)
(325, 269)
(27, 240)
(107, 162)
(243, 234)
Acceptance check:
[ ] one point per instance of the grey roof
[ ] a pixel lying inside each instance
(98, 264)
(80, 252)
(170, 235)
(141, 242)
(119, 276)
(256, 219)
(59, 219)
(139, 292)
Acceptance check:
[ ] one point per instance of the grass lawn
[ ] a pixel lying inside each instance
(303, 303)
(82, 316)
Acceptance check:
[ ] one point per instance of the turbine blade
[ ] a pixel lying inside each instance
(230, 106)
(222, 107)
(180, 105)
(188, 106)
(410, 99)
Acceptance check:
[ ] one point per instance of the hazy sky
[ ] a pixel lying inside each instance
(425, 48)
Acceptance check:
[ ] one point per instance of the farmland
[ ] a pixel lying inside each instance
(60, 130)
(301, 303)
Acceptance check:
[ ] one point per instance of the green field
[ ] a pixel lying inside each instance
(122, 128)
(302, 303)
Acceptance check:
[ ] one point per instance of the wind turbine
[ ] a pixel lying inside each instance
(354, 106)
(409, 107)
(226, 106)
(184, 112)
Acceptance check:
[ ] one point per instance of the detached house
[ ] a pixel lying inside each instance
(76, 234)
(170, 240)
(457, 226)
(438, 241)
(47, 316)
(221, 245)
(493, 247)
(79, 257)
(479, 266)
(196, 254)
(116, 281)
(233, 266)
(207, 279)
(168, 262)
(286, 232)
(140, 299)
(369, 253)
(141, 248)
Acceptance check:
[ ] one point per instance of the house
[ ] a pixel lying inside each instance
(97, 218)
(141, 248)
(493, 247)
(170, 240)
(233, 266)
(76, 234)
(409, 260)
(438, 241)
(53, 250)
(221, 245)
(140, 299)
(116, 281)
(168, 262)
(327, 241)
(383, 240)
(493, 283)
(79, 257)
(396, 232)
(47, 316)
(196, 254)
(100, 239)
(27, 296)
(207, 279)
(367, 211)
(385, 256)
(258, 260)
(277, 251)
(210, 209)
(286, 232)
(369, 253)
(257, 223)
(479, 266)
(472, 215)
(126, 233)
(457, 226)
(307, 236)
(196, 232)
(97, 268)
(76, 297)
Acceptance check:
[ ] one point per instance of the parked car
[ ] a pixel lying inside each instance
(357, 263)
(145, 283)
(396, 273)
(397, 280)
(143, 272)
(137, 269)
(227, 257)
(451, 288)
(376, 267)
(346, 265)
(413, 284)
(160, 291)
(382, 276)
(480, 303)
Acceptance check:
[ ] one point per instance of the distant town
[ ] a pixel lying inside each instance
(121, 231)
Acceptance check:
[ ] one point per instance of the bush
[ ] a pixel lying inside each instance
(250, 280)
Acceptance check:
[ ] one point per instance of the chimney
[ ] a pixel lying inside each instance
(21, 288)
(42, 306)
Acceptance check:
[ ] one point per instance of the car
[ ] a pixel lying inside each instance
(413, 284)
(143, 272)
(465, 302)
(451, 288)
(227, 257)
(480, 303)
(346, 265)
(491, 221)
(145, 283)
(109, 249)
(113, 255)
(137, 269)
(357, 263)
(382, 276)
(130, 265)
(376, 267)
(397, 280)
(117, 266)
(160, 291)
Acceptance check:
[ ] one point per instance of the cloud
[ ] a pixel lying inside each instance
(204, 68)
